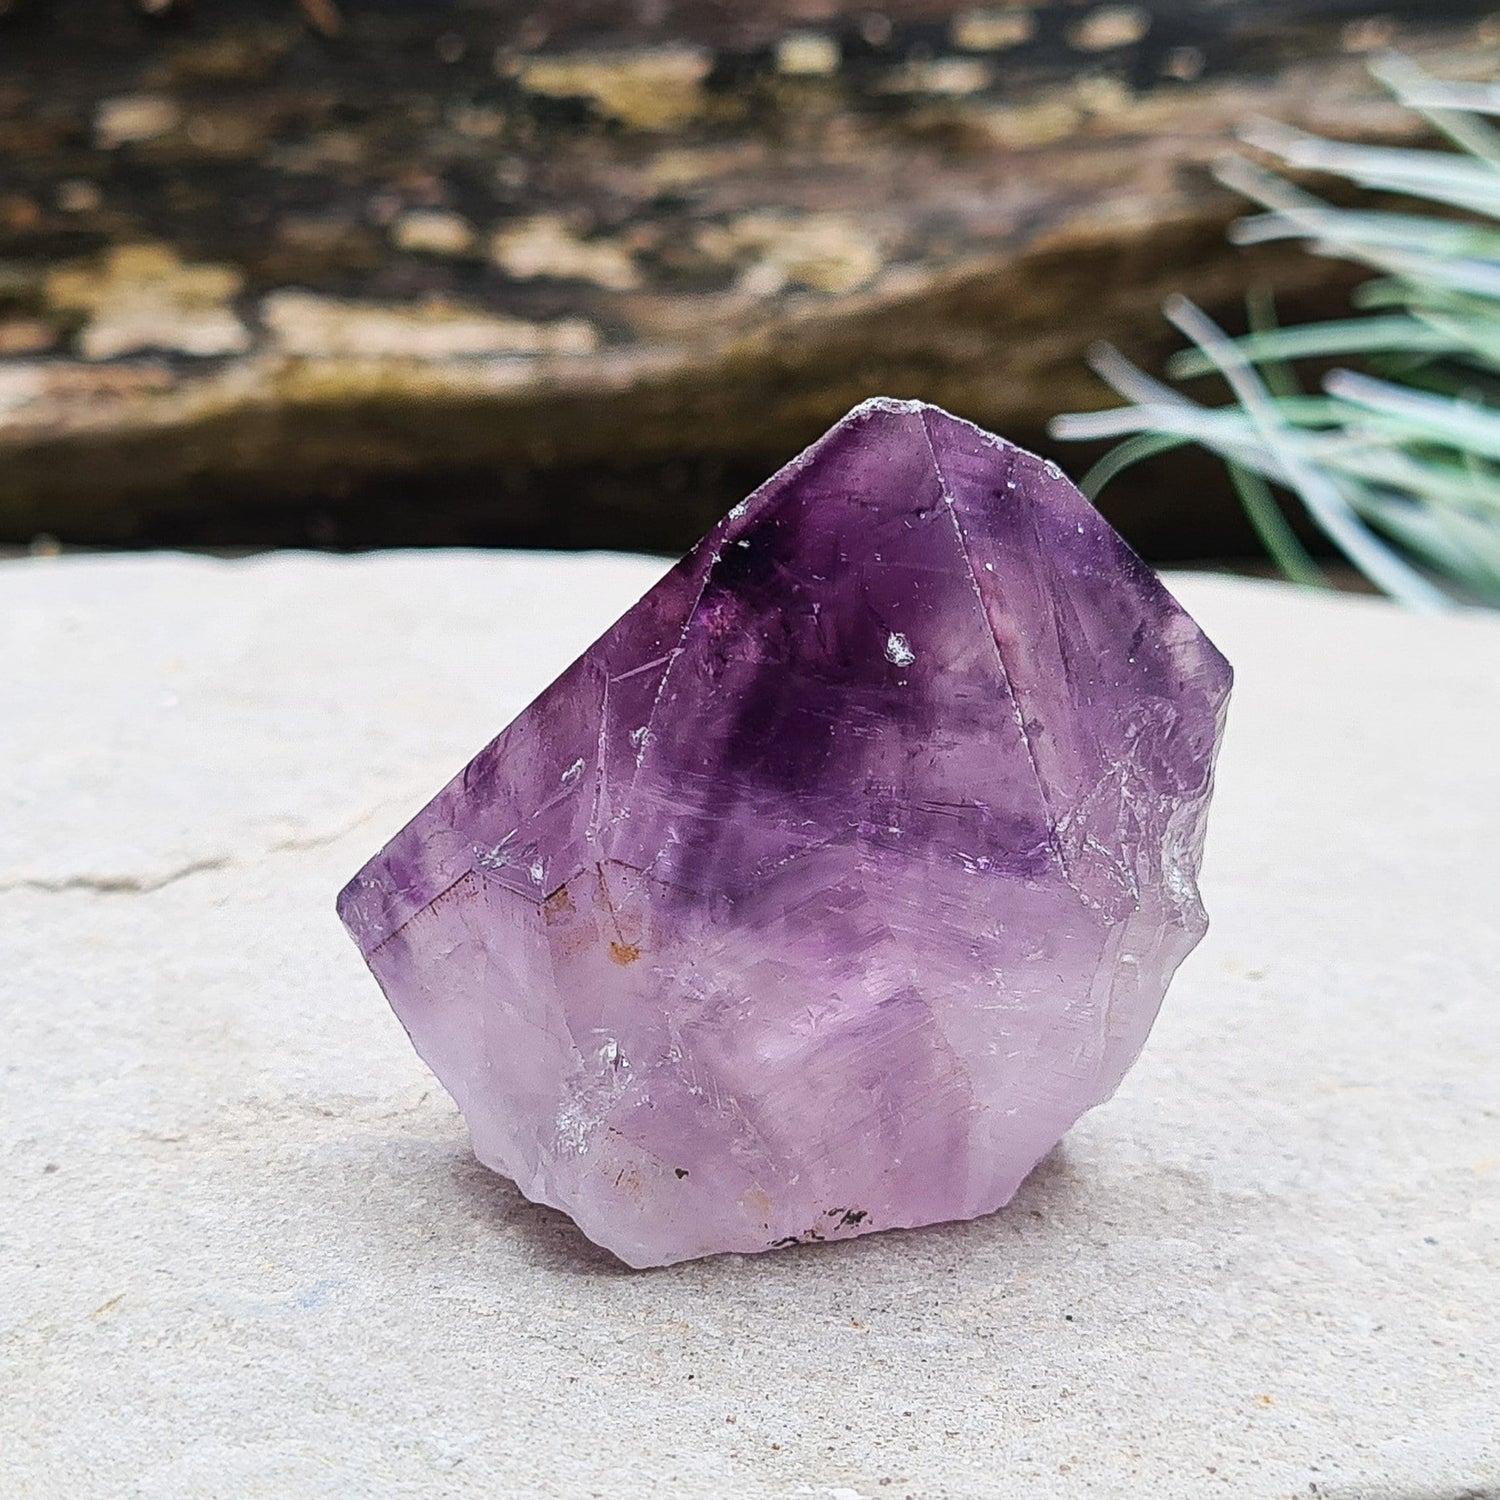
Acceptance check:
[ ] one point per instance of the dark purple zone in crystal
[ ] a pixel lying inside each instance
(843, 873)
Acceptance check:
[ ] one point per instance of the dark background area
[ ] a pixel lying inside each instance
(345, 329)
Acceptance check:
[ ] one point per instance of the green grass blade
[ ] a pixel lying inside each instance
(1272, 527)
(1124, 455)
(1442, 177)
(1468, 98)
(1436, 418)
(1439, 106)
(1388, 335)
(1400, 467)
(1260, 316)
(1322, 496)
(1417, 234)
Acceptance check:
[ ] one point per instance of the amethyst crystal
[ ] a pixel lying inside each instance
(826, 890)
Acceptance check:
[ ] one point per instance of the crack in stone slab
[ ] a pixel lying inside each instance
(147, 885)
(116, 885)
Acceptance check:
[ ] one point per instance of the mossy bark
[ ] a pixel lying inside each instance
(578, 274)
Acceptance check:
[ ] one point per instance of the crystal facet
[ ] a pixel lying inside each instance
(826, 890)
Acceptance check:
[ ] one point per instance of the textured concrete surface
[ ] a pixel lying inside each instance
(244, 1250)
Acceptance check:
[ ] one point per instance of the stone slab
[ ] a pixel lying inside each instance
(244, 1250)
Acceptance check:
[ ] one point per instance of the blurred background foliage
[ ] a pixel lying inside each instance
(1397, 463)
(374, 272)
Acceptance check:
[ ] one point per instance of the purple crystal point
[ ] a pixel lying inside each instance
(837, 880)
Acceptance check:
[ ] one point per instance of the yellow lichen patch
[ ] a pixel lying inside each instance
(132, 119)
(545, 246)
(993, 30)
(144, 297)
(432, 231)
(1036, 124)
(654, 89)
(686, 166)
(25, 336)
(1106, 98)
(953, 76)
(328, 327)
(820, 252)
(1110, 27)
(807, 54)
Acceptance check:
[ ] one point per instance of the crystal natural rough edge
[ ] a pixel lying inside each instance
(827, 889)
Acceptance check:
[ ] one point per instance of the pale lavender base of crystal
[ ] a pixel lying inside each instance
(838, 880)
(846, 1051)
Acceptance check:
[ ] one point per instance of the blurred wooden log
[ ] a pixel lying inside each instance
(576, 274)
